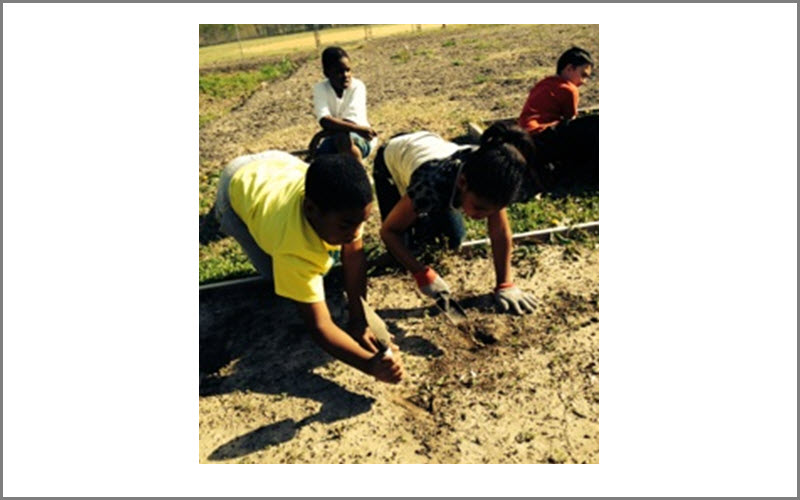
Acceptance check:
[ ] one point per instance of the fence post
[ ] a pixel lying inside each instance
(241, 52)
(316, 35)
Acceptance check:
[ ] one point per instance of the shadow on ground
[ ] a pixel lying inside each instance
(252, 340)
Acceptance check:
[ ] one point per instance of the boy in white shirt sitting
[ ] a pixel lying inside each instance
(340, 105)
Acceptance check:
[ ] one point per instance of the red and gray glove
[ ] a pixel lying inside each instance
(430, 283)
(509, 297)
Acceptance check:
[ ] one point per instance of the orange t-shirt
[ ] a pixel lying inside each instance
(550, 101)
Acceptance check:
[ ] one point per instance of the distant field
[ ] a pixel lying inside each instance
(298, 42)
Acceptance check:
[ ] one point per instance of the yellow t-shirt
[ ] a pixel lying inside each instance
(267, 195)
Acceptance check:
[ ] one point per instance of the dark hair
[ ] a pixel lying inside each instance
(337, 182)
(575, 56)
(495, 171)
(331, 56)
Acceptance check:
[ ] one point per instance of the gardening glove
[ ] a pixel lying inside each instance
(430, 283)
(509, 296)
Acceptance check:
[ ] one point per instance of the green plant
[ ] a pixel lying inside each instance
(206, 118)
(403, 56)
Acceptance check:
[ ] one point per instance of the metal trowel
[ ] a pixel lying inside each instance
(451, 309)
(378, 327)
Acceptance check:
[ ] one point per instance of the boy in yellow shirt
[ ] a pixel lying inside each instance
(291, 219)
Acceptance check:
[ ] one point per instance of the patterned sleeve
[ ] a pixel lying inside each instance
(424, 189)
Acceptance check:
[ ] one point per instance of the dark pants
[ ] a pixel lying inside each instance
(568, 154)
(447, 223)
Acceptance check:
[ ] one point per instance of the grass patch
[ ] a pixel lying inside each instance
(222, 260)
(242, 83)
(208, 191)
(480, 79)
(206, 118)
(549, 211)
(442, 116)
(449, 43)
(220, 91)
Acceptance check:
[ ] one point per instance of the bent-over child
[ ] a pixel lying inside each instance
(292, 219)
(424, 183)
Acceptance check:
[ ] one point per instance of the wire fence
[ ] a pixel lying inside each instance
(214, 34)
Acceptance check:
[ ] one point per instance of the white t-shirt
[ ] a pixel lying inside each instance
(404, 154)
(352, 105)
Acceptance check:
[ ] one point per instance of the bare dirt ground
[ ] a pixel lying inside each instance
(269, 395)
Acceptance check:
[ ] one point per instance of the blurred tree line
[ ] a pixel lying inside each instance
(211, 34)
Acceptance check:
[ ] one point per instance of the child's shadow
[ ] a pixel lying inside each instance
(251, 340)
(209, 228)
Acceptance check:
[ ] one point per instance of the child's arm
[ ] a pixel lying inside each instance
(500, 237)
(568, 102)
(508, 295)
(344, 348)
(332, 124)
(354, 267)
(397, 222)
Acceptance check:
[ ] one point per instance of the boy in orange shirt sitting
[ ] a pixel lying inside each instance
(567, 148)
(556, 97)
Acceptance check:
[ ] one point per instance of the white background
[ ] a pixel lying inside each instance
(699, 246)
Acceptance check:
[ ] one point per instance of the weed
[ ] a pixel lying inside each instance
(449, 43)
(403, 56)
(501, 104)
(457, 63)
(524, 252)
(524, 437)
(206, 118)
(480, 79)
